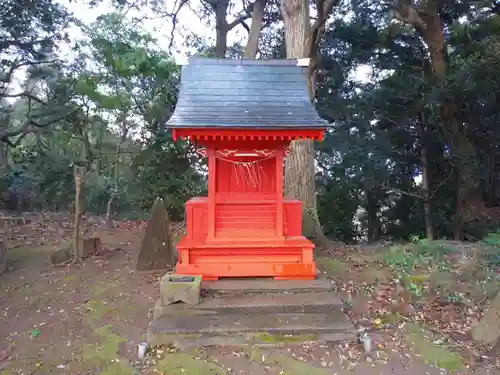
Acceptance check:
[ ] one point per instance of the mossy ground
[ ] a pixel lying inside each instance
(286, 365)
(185, 364)
(90, 317)
(104, 353)
(434, 354)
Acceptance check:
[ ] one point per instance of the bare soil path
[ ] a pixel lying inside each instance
(89, 318)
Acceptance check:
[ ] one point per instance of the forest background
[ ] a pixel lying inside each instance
(412, 152)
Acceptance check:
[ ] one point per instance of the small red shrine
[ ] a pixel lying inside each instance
(242, 115)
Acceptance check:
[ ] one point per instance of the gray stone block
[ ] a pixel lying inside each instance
(178, 288)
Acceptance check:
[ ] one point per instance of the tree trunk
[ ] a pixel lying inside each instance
(424, 160)
(300, 183)
(78, 175)
(300, 176)
(109, 218)
(372, 208)
(487, 331)
(220, 8)
(252, 46)
(4, 158)
(428, 23)
(3, 256)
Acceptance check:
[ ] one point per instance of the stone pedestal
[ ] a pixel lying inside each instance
(176, 288)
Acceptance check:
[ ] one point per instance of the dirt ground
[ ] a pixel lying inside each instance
(89, 318)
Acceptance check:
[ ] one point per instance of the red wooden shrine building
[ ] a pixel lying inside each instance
(243, 114)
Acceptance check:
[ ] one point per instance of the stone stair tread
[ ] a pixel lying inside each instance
(330, 322)
(269, 300)
(265, 285)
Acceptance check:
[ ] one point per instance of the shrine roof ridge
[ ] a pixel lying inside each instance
(276, 62)
(254, 94)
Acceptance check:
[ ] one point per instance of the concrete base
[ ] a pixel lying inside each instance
(177, 288)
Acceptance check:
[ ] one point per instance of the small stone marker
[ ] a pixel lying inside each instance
(157, 250)
(90, 246)
(61, 256)
(177, 288)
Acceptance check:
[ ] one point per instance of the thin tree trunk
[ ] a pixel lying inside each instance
(4, 158)
(109, 218)
(424, 160)
(429, 228)
(252, 45)
(78, 175)
(372, 208)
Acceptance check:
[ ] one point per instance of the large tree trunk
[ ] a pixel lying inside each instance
(300, 176)
(427, 22)
(301, 40)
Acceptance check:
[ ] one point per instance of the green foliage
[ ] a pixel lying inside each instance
(165, 169)
(411, 263)
(128, 88)
(107, 110)
(493, 256)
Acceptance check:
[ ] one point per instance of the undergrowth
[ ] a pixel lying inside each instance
(493, 256)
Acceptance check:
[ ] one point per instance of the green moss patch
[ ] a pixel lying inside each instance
(433, 354)
(104, 354)
(267, 338)
(185, 364)
(97, 310)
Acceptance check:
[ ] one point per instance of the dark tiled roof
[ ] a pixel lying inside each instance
(244, 94)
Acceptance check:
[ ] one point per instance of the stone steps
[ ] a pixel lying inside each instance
(253, 329)
(274, 303)
(252, 312)
(263, 285)
(235, 323)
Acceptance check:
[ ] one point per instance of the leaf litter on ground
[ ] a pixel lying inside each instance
(408, 296)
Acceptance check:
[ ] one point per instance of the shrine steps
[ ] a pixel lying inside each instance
(228, 315)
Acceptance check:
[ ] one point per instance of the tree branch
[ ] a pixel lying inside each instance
(29, 126)
(27, 95)
(324, 8)
(174, 22)
(405, 12)
(243, 16)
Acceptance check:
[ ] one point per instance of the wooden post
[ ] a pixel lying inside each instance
(279, 192)
(212, 167)
(78, 172)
